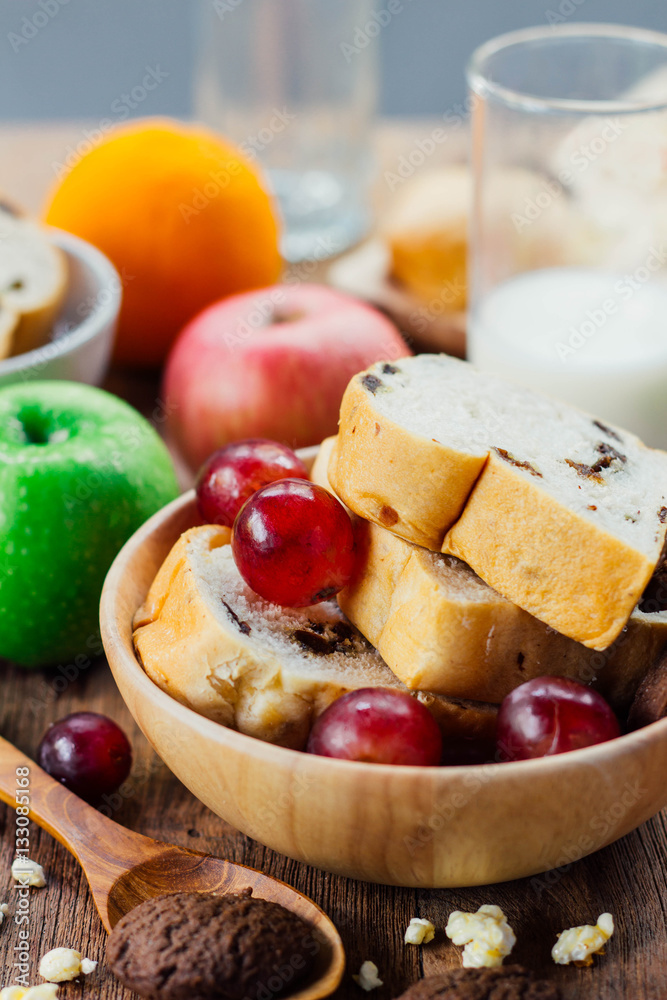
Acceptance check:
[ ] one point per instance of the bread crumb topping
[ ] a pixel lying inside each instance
(28, 872)
(579, 944)
(60, 965)
(487, 936)
(45, 991)
(419, 931)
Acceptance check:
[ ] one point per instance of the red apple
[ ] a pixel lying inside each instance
(272, 363)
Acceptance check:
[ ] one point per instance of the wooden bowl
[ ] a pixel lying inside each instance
(408, 826)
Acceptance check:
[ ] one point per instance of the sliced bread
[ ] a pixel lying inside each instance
(33, 280)
(560, 513)
(426, 230)
(441, 628)
(214, 645)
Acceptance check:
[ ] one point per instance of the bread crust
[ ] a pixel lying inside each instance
(553, 562)
(38, 300)
(511, 533)
(415, 487)
(426, 231)
(481, 646)
(190, 652)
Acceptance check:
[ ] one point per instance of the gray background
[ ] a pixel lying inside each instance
(92, 51)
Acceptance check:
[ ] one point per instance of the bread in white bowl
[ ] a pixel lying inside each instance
(207, 640)
(439, 627)
(33, 283)
(557, 511)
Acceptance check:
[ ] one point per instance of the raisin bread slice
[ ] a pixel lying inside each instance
(441, 628)
(207, 640)
(560, 513)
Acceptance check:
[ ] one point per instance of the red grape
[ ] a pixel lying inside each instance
(293, 543)
(550, 715)
(379, 726)
(232, 474)
(87, 753)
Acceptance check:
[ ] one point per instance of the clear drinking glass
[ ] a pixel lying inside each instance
(294, 83)
(568, 260)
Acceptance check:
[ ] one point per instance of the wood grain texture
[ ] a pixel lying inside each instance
(125, 868)
(628, 878)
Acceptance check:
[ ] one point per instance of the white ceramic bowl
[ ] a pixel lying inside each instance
(84, 331)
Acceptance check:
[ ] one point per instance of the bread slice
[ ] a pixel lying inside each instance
(33, 280)
(426, 230)
(440, 628)
(214, 645)
(560, 513)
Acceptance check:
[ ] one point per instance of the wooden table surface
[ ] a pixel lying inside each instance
(628, 879)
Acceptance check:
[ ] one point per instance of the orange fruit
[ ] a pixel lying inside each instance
(184, 218)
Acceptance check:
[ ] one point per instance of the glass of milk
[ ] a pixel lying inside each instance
(568, 265)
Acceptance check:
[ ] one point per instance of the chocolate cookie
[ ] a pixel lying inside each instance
(508, 982)
(197, 946)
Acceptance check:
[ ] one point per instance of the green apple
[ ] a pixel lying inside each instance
(80, 471)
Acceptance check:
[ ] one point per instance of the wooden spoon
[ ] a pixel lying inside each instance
(125, 868)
